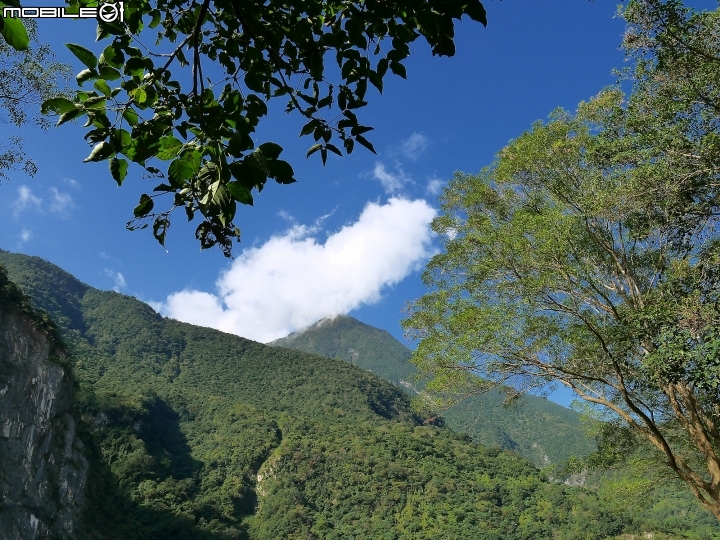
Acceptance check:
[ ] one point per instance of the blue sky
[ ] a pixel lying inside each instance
(349, 237)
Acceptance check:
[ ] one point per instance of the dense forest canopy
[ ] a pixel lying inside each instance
(203, 434)
(542, 431)
(193, 433)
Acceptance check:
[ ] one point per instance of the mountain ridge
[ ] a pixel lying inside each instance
(533, 426)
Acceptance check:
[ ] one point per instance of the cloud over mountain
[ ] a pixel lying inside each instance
(294, 279)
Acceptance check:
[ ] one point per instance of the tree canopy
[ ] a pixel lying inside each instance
(192, 129)
(587, 255)
(28, 76)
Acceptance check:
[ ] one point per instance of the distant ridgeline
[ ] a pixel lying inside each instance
(542, 431)
(192, 433)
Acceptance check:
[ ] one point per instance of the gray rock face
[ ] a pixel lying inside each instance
(42, 468)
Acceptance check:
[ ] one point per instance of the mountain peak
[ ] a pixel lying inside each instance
(346, 338)
(329, 320)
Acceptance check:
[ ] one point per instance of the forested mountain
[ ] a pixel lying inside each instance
(542, 431)
(192, 433)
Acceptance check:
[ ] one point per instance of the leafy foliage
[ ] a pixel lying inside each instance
(28, 76)
(586, 254)
(13, 31)
(142, 107)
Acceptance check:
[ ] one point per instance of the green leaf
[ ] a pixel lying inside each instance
(160, 227)
(476, 11)
(122, 139)
(86, 75)
(255, 81)
(270, 150)
(83, 54)
(151, 96)
(169, 148)
(362, 140)
(70, 115)
(359, 130)
(135, 66)
(221, 196)
(184, 168)
(101, 86)
(334, 149)
(314, 148)
(240, 193)
(95, 102)
(15, 34)
(139, 95)
(249, 172)
(118, 169)
(282, 172)
(376, 80)
(239, 142)
(156, 17)
(144, 207)
(100, 151)
(143, 147)
(112, 56)
(398, 69)
(309, 128)
(109, 74)
(131, 117)
(382, 67)
(57, 105)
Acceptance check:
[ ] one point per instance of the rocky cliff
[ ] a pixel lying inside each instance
(42, 468)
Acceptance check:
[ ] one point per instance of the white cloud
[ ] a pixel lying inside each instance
(72, 183)
(61, 202)
(287, 216)
(292, 280)
(25, 235)
(117, 278)
(392, 182)
(414, 145)
(110, 258)
(26, 200)
(435, 186)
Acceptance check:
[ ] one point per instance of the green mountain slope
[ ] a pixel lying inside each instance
(542, 431)
(355, 342)
(196, 434)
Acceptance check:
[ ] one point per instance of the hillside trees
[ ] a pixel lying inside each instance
(198, 434)
(587, 255)
(318, 56)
